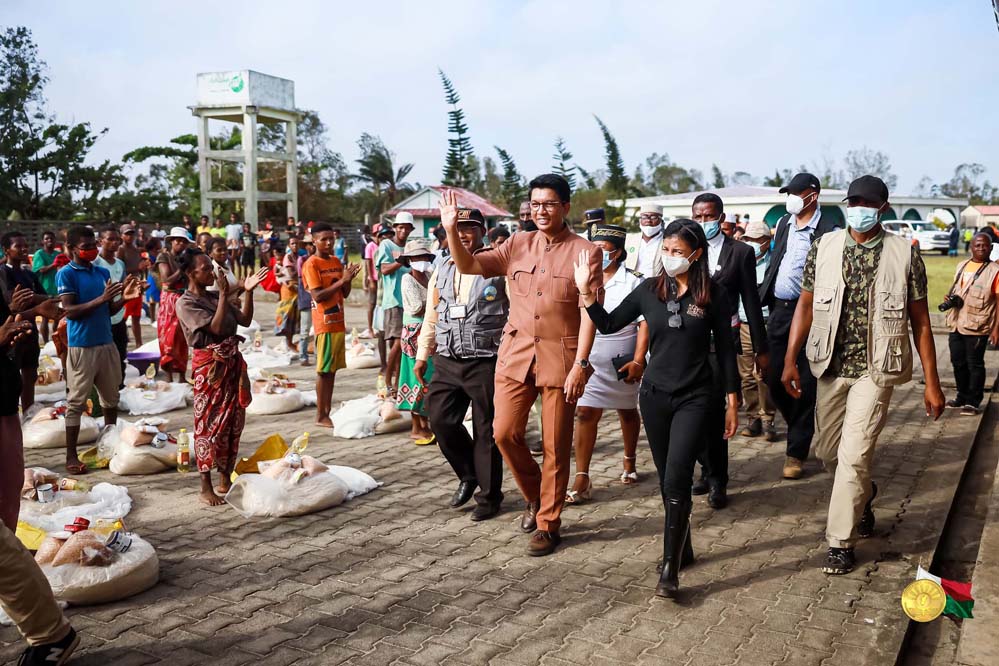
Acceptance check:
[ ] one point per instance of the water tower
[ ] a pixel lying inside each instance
(247, 98)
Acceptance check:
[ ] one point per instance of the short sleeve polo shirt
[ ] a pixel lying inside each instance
(87, 283)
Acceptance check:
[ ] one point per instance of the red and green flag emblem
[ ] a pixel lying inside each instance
(959, 599)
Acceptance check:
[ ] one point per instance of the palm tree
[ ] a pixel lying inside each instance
(378, 170)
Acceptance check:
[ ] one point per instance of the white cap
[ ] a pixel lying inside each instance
(179, 232)
(651, 208)
(404, 218)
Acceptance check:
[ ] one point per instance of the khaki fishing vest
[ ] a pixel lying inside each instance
(979, 310)
(889, 353)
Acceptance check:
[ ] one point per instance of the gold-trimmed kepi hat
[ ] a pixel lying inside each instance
(611, 233)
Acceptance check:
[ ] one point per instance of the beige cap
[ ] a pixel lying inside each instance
(758, 229)
(651, 208)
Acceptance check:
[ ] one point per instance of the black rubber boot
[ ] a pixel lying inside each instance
(687, 558)
(674, 536)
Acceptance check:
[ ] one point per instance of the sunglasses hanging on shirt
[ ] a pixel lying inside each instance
(675, 320)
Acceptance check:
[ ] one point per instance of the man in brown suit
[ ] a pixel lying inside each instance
(545, 348)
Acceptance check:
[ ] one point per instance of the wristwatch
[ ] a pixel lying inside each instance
(583, 363)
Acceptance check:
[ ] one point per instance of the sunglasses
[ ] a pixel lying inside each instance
(675, 321)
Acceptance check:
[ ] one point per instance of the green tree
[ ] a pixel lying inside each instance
(377, 169)
(664, 177)
(43, 163)
(864, 161)
(967, 183)
(562, 158)
(717, 179)
(458, 168)
(617, 179)
(514, 187)
(492, 181)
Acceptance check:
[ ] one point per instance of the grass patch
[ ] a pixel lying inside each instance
(940, 276)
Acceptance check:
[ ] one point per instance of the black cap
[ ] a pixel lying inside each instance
(610, 233)
(869, 188)
(594, 215)
(801, 182)
(466, 215)
(385, 230)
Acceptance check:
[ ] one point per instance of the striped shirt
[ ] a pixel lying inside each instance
(787, 285)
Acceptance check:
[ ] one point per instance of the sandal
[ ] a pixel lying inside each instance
(629, 478)
(77, 468)
(580, 496)
(425, 441)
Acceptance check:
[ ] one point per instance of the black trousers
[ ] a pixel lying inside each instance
(967, 355)
(713, 455)
(798, 414)
(119, 333)
(675, 426)
(456, 384)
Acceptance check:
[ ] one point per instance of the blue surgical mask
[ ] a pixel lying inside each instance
(711, 228)
(607, 259)
(861, 218)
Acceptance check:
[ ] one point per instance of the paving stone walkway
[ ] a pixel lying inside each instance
(397, 576)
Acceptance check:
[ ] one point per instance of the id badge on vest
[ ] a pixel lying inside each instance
(456, 311)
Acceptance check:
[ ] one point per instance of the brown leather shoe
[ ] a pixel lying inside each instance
(792, 468)
(528, 520)
(543, 543)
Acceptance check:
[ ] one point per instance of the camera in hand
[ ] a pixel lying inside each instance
(951, 301)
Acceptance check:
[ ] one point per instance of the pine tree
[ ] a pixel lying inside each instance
(617, 178)
(459, 170)
(562, 158)
(513, 183)
(717, 177)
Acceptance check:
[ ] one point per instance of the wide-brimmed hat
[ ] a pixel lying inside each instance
(179, 233)
(417, 247)
(404, 218)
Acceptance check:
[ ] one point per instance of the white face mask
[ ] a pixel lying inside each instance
(795, 204)
(759, 248)
(649, 232)
(674, 266)
(421, 266)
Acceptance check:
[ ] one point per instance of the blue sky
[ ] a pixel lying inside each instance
(749, 85)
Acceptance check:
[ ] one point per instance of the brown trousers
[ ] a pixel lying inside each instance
(543, 484)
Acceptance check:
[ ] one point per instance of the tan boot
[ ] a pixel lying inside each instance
(792, 468)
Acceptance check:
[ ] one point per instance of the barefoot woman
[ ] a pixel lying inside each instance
(221, 387)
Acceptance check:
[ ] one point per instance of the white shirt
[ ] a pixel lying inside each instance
(158, 233)
(616, 290)
(648, 249)
(233, 231)
(714, 252)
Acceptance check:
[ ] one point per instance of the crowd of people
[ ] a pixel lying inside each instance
(676, 327)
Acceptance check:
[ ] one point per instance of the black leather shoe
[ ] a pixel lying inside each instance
(485, 511)
(717, 497)
(528, 520)
(700, 487)
(463, 493)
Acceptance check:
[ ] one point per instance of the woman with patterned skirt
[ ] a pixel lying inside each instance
(412, 390)
(173, 346)
(221, 386)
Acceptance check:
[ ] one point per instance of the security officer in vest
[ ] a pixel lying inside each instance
(861, 290)
(795, 233)
(972, 318)
(465, 319)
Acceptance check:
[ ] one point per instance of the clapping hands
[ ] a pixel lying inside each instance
(251, 282)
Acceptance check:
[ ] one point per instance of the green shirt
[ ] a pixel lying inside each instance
(860, 263)
(41, 259)
(391, 285)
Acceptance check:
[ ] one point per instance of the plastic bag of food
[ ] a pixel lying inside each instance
(288, 400)
(360, 355)
(266, 357)
(272, 448)
(50, 433)
(103, 501)
(143, 431)
(261, 496)
(130, 459)
(159, 400)
(84, 548)
(367, 416)
(134, 571)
